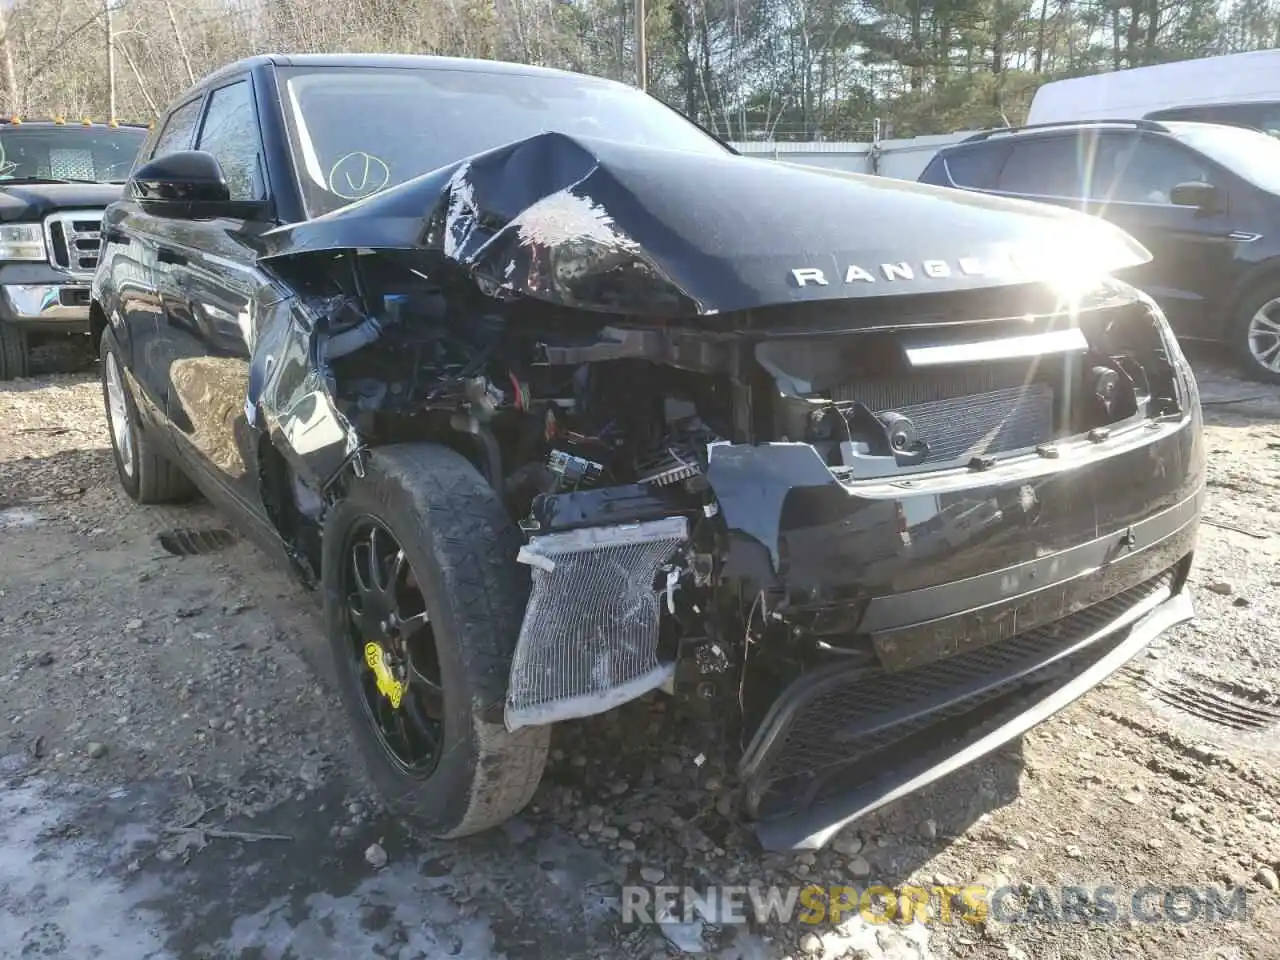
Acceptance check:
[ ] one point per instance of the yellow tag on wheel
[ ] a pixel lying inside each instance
(388, 686)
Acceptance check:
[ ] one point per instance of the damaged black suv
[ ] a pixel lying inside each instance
(561, 402)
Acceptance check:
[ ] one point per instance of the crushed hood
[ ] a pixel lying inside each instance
(600, 225)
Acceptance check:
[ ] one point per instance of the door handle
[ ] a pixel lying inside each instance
(169, 255)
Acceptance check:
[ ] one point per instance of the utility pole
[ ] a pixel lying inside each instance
(10, 74)
(111, 60)
(621, 51)
(642, 79)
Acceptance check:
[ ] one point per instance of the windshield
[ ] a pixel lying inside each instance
(55, 152)
(358, 130)
(1248, 153)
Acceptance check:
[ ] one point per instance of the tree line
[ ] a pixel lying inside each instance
(746, 69)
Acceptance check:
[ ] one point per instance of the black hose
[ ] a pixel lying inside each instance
(492, 456)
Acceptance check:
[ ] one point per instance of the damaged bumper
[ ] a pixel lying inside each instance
(910, 625)
(993, 709)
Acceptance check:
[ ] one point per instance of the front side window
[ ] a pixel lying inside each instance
(1145, 170)
(1045, 167)
(357, 130)
(179, 129)
(1246, 153)
(230, 133)
(96, 154)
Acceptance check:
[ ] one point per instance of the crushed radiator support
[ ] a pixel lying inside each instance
(589, 640)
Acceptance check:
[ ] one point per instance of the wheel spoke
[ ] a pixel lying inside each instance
(1269, 355)
(414, 623)
(118, 414)
(1263, 323)
(397, 569)
(425, 690)
(362, 584)
(424, 726)
(375, 562)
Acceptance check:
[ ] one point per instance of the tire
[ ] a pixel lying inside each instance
(146, 474)
(14, 353)
(1250, 337)
(460, 546)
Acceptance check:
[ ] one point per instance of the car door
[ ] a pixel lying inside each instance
(210, 319)
(130, 245)
(1192, 250)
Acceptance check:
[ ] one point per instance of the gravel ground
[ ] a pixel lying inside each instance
(178, 779)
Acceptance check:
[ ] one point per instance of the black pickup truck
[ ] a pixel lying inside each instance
(55, 180)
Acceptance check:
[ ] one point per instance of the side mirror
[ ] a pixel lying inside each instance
(1195, 193)
(188, 184)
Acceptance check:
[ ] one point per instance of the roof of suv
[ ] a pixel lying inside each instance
(1164, 127)
(394, 60)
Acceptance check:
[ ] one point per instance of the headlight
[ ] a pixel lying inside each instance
(22, 241)
(1185, 386)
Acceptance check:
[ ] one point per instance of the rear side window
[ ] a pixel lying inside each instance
(977, 166)
(176, 134)
(1045, 167)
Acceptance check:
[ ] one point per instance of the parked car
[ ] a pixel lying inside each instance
(1238, 88)
(560, 402)
(55, 179)
(1203, 198)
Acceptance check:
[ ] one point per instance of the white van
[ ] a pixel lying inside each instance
(1241, 89)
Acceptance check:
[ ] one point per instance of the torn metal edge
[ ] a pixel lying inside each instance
(576, 708)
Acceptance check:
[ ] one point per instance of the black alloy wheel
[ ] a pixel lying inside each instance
(392, 649)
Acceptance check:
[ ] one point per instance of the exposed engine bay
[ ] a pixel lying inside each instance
(601, 438)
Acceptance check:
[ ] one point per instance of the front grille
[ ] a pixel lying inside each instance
(74, 238)
(961, 416)
(855, 719)
(589, 640)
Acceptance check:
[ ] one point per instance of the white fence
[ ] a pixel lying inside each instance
(901, 159)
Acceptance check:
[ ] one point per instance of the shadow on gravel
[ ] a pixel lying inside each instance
(105, 873)
(129, 872)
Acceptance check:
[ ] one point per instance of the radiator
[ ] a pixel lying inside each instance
(963, 416)
(589, 640)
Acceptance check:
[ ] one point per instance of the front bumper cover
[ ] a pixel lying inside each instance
(1085, 664)
(987, 600)
(962, 607)
(50, 306)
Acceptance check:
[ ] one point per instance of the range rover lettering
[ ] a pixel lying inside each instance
(514, 368)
